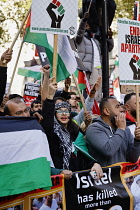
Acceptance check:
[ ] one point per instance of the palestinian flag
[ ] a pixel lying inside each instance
(31, 71)
(66, 64)
(82, 81)
(24, 156)
(80, 145)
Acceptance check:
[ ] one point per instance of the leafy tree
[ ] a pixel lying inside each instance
(13, 12)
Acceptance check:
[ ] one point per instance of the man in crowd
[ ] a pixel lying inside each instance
(89, 50)
(36, 106)
(108, 139)
(130, 105)
(17, 107)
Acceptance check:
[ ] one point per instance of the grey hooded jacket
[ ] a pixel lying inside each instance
(109, 146)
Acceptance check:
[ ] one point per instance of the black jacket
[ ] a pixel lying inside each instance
(77, 163)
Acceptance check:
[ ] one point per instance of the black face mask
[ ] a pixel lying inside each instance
(89, 31)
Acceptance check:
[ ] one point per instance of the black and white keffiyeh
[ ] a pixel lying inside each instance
(65, 142)
(63, 104)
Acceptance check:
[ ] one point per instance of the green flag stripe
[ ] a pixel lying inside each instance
(29, 73)
(41, 39)
(20, 177)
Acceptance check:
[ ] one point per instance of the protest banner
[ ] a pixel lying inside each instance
(55, 17)
(118, 189)
(111, 192)
(31, 199)
(31, 92)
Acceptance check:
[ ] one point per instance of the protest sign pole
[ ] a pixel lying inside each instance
(14, 71)
(55, 46)
(79, 92)
(137, 105)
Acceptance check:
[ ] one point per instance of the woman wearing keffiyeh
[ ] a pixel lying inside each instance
(62, 132)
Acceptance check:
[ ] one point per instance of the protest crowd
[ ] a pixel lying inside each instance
(106, 129)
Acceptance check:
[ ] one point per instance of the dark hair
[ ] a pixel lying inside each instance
(11, 96)
(14, 100)
(128, 97)
(59, 98)
(35, 102)
(70, 94)
(103, 103)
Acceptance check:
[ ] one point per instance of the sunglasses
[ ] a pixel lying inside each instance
(63, 112)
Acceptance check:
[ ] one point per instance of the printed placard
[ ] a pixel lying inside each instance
(129, 51)
(53, 16)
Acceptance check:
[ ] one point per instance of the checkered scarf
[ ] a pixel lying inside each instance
(63, 104)
(65, 142)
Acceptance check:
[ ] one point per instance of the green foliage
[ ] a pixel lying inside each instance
(13, 11)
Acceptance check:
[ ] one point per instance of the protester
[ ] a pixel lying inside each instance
(89, 50)
(16, 107)
(130, 105)
(108, 139)
(5, 58)
(36, 106)
(96, 14)
(78, 118)
(61, 132)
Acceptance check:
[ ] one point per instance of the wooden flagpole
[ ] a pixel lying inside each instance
(14, 71)
(137, 105)
(89, 6)
(137, 87)
(55, 47)
(79, 92)
(19, 30)
(23, 22)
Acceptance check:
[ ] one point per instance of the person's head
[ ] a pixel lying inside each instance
(130, 104)
(11, 96)
(62, 112)
(36, 105)
(72, 99)
(109, 108)
(48, 200)
(16, 107)
(122, 108)
(58, 100)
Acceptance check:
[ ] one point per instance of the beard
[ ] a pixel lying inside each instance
(133, 113)
(112, 119)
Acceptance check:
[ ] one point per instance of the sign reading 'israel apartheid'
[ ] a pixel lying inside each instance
(55, 17)
(129, 51)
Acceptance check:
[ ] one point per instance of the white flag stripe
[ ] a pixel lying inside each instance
(30, 144)
(32, 68)
(65, 52)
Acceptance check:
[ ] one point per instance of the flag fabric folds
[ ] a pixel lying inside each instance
(24, 156)
(66, 64)
(80, 145)
(31, 71)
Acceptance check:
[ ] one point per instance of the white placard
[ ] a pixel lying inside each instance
(129, 51)
(53, 16)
